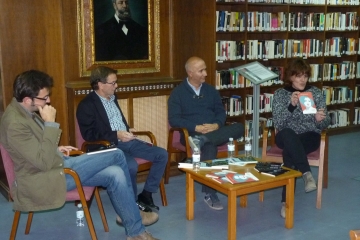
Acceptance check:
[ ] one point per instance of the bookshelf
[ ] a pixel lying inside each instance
(326, 35)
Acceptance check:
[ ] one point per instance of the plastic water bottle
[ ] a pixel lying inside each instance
(248, 148)
(231, 149)
(196, 159)
(80, 216)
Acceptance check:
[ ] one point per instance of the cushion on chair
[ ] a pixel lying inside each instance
(73, 195)
(141, 161)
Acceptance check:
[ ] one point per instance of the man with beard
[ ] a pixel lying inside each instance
(120, 37)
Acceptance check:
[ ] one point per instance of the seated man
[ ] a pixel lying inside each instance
(196, 106)
(100, 118)
(32, 142)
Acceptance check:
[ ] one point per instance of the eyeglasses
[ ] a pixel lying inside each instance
(44, 99)
(112, 83)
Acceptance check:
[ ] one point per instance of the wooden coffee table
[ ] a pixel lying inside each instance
(241, 189)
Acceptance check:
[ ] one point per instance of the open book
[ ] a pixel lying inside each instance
(307, 103)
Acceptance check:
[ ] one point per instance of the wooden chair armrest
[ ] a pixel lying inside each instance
(149, 134)
(74, 174)
(76, 153)
(185, 132)
(88, 143)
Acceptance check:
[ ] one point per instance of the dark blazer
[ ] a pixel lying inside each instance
(93, 121)
(111, 43)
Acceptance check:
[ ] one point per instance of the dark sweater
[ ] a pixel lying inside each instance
(187, 110)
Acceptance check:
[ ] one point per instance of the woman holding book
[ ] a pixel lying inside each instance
(298, 134)
(307, 105)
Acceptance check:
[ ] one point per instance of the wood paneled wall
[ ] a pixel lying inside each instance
(44, 36)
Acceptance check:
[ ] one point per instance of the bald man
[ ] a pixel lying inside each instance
(197, 106)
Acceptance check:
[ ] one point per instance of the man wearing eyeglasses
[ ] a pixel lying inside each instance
(32, 140)
(100, 118)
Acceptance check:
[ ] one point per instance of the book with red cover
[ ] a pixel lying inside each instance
(235, 178)
(307, 103)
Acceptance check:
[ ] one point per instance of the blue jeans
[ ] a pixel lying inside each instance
(158, 156)
(109, 170)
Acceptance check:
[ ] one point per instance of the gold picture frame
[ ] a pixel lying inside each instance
(87, 42)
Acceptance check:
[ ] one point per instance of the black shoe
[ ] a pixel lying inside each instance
(147, 201)
(143, 207)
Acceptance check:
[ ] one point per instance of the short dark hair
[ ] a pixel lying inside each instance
(100, 74)
(295, 67)
(29, 84)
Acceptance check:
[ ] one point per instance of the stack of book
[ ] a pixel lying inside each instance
(270, 168)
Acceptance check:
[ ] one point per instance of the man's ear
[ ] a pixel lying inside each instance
(27, 100)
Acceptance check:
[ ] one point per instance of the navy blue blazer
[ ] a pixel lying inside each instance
(93, 121)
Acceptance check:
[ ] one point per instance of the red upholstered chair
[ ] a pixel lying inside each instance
(174, 146)
(318, 158)
(144, 165)
(81, 193)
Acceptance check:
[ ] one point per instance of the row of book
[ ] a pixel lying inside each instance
(337, 95)
(233, 105)
(265, 103)
(339, 117)
(227, 21)
(316, 2)
(356, 116)
(266, 21)
(337, 46)
(357, 93)
(229, 79)
(342, 21)
(228, 50)
(263, 122)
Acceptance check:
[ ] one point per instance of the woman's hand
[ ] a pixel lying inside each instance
(294, 98)
(320, 115)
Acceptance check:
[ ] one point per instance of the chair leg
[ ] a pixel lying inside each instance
(28, 223)
(163, 193)
(15, 225)
(89, 220)
(101, 209)
(167, 170)
(319, 187)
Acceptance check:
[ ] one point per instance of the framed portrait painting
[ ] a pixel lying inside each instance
(121, 34)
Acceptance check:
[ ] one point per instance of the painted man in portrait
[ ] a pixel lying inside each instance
(120, 37)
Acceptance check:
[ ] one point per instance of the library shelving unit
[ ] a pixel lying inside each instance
(323, 32)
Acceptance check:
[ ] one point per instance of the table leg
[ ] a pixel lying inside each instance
(189, 197)
(243, 201)
(289, 213)
(232, 215)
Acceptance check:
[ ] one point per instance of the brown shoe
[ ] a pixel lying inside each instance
(144, 236)
(147, 218)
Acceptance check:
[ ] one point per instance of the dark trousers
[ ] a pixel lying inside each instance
(216, 138)
(295, 148)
